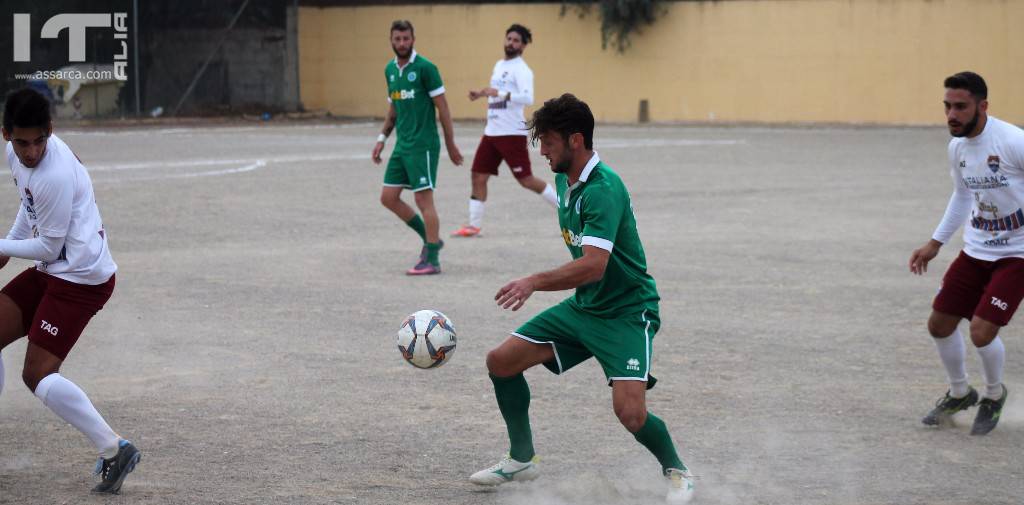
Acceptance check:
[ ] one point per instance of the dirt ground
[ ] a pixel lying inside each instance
(249, 349)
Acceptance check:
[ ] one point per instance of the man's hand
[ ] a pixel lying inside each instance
(514, 294)
(473, 94)
(4, 260)
(453, 153)
(921, 256)
(377, 149)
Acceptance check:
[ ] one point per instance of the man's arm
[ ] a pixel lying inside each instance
(584, 270)
(389, 126)
(449, 131)
(39, 248)
(957, 211)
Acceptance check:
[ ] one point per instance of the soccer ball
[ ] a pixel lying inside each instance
(426, 339)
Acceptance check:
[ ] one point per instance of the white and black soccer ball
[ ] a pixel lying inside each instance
(426, 339)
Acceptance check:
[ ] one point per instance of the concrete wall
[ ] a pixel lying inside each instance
(849, 61)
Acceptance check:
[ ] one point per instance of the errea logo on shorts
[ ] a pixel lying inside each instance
(48, 328)
(633, 364)
(999, 303)
(405, 94)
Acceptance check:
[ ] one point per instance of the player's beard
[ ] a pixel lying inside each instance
(511, 52)
(399, 54)
(562, 166)
(969, 127)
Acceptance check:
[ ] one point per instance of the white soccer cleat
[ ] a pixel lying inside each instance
(507, 470)
(680, 489)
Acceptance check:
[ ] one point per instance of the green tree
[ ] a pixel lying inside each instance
(619, 18)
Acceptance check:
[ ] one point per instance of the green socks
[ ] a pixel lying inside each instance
(513, 396)
(654, 436)
(416, 223)
(432, 250)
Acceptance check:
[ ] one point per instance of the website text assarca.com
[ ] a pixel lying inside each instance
(67, 75)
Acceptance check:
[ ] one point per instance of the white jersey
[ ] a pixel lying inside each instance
(57, 201)
(505, 112)
(988, 192)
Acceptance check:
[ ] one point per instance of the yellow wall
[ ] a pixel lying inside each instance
(850, 61)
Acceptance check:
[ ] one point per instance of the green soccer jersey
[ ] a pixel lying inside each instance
(411, 89)
(596, 211)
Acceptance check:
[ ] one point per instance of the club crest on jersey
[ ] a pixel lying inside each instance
(412, 76)
(578, 205)
(993, 163)
(392, 76)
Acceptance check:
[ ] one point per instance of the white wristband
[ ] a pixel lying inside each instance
(382, 138)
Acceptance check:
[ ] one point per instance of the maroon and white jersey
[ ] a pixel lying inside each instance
(514, 81)
(57, 201)
(988, 192)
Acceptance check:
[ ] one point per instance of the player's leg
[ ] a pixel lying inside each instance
(517, 156)
(542, 340)
(396, 179)
(63, 313)
(18, 301)
(624, 348)
(962, 287)
(485, 164)
(1002, 296)
(11, 328)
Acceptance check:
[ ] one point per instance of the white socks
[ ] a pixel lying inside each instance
(550, 196)
(951, 350)
(476, 212)
(69, 402)
(993, 356)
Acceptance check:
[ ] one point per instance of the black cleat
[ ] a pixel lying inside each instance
(114, 470)
(988, 414)
(947, 406)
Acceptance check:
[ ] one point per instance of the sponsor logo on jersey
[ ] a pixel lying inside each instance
(572, 238)
(997, 242)
(412, 77)
(985, 182)
(1011, 222)
(993, 163)
(405, 94)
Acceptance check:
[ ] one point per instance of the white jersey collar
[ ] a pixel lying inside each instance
(412, 58)
(589, 167)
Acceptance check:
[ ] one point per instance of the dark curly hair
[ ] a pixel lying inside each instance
(970, 81)
(26, 108)
(564, 115)
(524, 32)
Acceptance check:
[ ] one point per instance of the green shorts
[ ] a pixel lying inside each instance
(414, 170)
(622, 346)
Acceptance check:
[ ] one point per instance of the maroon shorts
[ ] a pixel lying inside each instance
(55, 311)
(511, 148)
(991, 290)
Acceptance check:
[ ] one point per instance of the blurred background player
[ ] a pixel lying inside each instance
(414, 91)
(504, 136)
(612, 316)
(58, 225)
(985, 283)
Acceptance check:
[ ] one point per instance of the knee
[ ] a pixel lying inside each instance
(388, 201)
(941, 327)
(632, 417)
(983, 332)
(497, 365)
